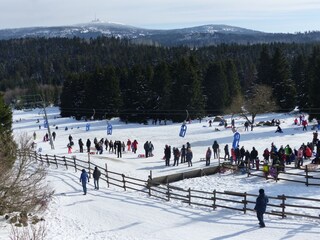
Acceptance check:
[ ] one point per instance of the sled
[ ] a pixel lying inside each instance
(273, 172)
(141, 155)
(312, 166)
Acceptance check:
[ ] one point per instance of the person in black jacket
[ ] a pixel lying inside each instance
(96, 176)
(146, 149)
(215, 147)
(242, 152)
(183, 154)
(253, 156)
(88, 145)
(260, 207)
(118, 148)
(167, 154)
(80, 145)
(226, 152)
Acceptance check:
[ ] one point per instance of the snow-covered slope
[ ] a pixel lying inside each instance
(111, 213)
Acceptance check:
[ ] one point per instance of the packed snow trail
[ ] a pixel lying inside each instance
(115, 214)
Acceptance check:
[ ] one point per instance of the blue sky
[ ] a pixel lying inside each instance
(267, 15)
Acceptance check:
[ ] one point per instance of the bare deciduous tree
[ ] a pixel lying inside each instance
(236, 105)
(22, 187)
(261, 101)
(32, 232)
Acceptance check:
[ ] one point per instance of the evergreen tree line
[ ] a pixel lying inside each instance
(171, 90)
(164, 91)
(155, 82)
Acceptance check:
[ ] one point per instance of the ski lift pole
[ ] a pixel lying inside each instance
(46, 119)
(187, 118)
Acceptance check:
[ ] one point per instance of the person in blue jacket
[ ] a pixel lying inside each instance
(83, 179)
(261, 205)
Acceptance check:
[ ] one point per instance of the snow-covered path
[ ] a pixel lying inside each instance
(113, 214)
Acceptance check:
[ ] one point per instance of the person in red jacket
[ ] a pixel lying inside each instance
(129, 145)
(308, 152)
(304, 124)
(266, 155)
(233, 155)
(134, 146)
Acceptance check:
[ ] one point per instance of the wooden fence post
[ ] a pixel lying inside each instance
(89, 167)
(189, 196)
(168, 192)
(41, 159)
(214, 200)
(124, 182)
(307, 176)
(245, 203)
(75, 163)
(283, 205)
(47, 160)
(65, 162)
(149, 184)
(55, 159)
(36, 156)
(107, 176)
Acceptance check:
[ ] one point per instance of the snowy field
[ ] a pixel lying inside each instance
(114, 214)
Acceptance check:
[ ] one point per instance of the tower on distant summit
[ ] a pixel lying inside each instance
(95, 20)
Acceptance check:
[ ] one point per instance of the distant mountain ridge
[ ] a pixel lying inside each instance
(193, 36)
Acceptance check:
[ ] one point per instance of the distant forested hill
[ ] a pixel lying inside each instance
(136, 81)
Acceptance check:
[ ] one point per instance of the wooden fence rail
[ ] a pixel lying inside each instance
(280, 205)
(305, 176)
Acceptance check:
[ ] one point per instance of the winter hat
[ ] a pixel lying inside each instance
(261, 191)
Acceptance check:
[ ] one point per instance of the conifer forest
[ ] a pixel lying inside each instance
(110, 77)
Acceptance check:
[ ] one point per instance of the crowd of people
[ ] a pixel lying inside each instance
(274, 158)
(99, 146)
(184, 155)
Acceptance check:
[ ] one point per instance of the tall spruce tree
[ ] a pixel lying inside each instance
(233, 82)
(5, 117)
(8, 147)
(197, 98)
(95, 88)
(137, 96)
(314, 77)
(66, 97)
(215, 88)
(162, 86)
(299, 76)
(113, 101)
(187, 90)
(264, 67)
(103, 94)
(283, 87)
(182, 88)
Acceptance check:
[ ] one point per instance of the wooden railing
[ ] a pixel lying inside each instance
(280, 205)
(306, 175)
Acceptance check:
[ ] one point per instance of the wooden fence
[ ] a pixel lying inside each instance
(280, 205)
(306, 175)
